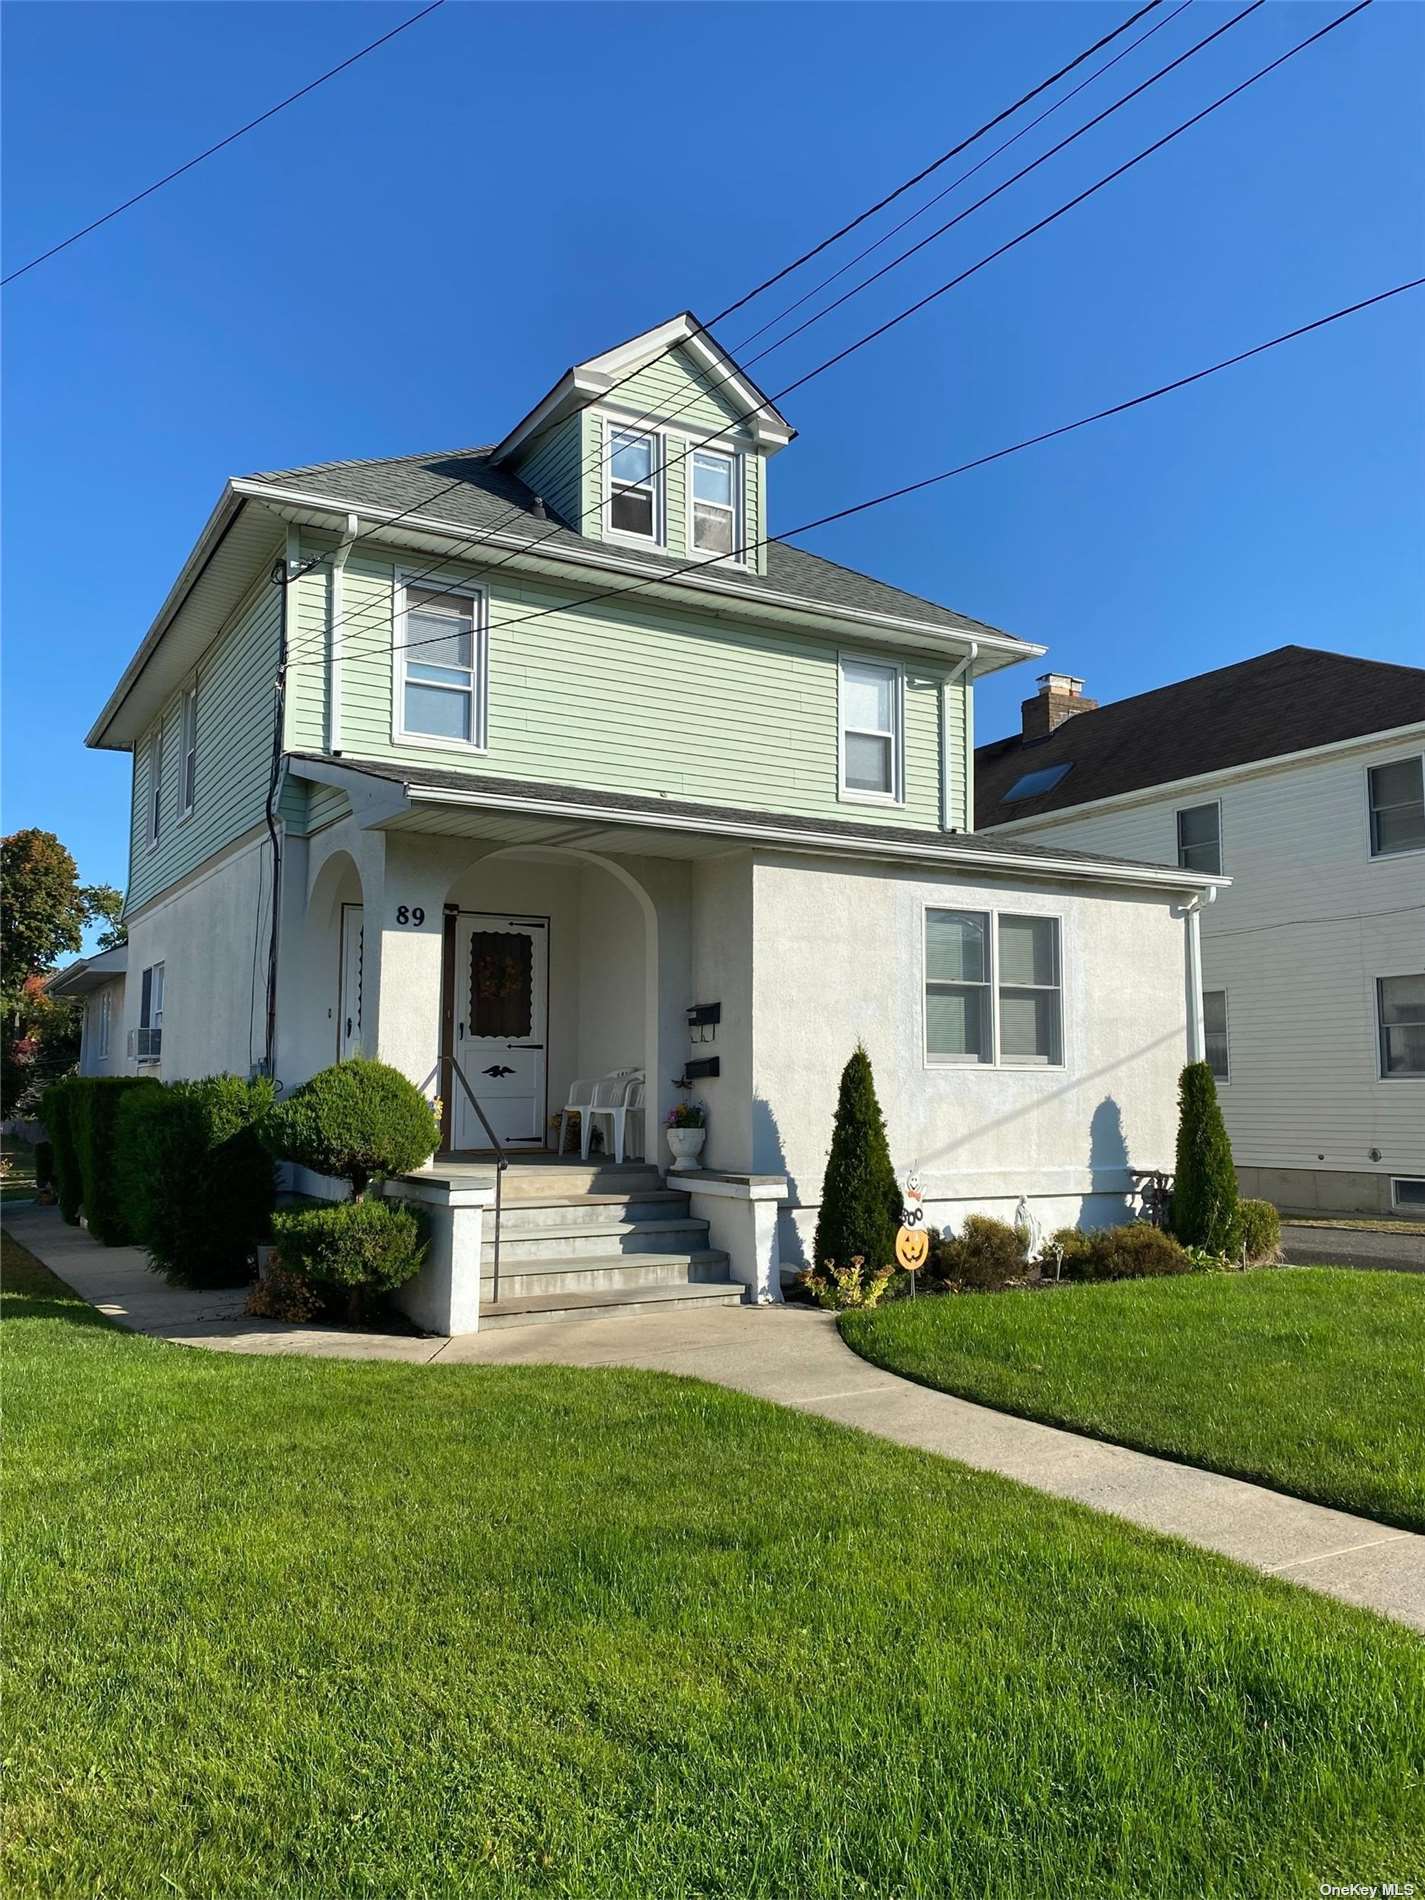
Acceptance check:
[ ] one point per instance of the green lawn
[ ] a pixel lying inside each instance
(1309, 1380)
(285, 1627)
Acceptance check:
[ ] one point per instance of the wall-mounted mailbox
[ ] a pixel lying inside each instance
(704, 1015)
(702, 1069)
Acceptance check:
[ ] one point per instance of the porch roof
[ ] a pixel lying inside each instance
(394, 796)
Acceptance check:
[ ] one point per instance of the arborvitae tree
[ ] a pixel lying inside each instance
(1205, 1185)
(860, 1197)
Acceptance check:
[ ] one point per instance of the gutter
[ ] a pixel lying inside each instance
(339, 557)
(946, 786)
(1191, 914)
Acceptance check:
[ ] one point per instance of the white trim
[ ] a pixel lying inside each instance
(994, 914)
(927, 635)
(479, 668)
(655, 485)
(153, 816)
(1397, 1181)
(850, 795)
(1382, 1073)
(1223, 775)
(1200, 805)
(337, 599)
(187, 747)
(1219, 989)
(1367, 767)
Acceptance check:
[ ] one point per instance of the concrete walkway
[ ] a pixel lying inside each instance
(795, 1357)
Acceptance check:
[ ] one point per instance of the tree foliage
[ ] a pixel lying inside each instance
(861, 1199)
(356, 1120)
(1205, 1183)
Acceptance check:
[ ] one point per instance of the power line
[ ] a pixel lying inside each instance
(841, 355)
(241, 132)
(767, 283)
(965, 468)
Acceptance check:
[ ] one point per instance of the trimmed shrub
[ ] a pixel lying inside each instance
(1204, 1212)
(44, 1165)
(357, 1120)
(987, 1253)
(861, 1200)
(1135, 1252)
(55, 1106)
(1259, 1230)
(357, 1248)
(94, 1122)
(196, 1178)
(1074, 1244)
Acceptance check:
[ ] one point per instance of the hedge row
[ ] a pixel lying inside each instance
(81, 1115)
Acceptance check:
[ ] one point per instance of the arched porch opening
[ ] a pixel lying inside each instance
(331, 977)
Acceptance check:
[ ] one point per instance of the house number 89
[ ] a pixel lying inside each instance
(410, 914)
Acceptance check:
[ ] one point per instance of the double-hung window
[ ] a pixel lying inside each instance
(189, 769)
(633, 483)
(105, 1011)
(1397, 800)
(1200, 837)
(870, 731)
(993, 989)
(441, 660)
(146, 1043)
(155, 787)
(714, 502)
(1214, 1024)
(1400, 1021)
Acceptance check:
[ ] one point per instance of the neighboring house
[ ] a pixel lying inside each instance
(99, 982)
(605, 767)
(1300, 775)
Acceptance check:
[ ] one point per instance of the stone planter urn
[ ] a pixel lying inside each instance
(685, 1144)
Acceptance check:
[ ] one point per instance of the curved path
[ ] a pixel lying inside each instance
(795, 1357)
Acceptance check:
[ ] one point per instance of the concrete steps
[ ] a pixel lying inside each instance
(602, 1273)
(541, 1309)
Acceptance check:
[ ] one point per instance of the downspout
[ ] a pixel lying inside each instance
(338, 616)
(283, 574)
(947, 782)
(1191, 914)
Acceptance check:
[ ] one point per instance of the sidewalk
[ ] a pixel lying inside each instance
(795, 1357)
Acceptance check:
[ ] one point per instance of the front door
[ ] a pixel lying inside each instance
(501, 1013)
(348, 1035)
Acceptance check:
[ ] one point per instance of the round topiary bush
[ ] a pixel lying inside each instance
(357, 1121)
(360, 1249)
(1260, 1228)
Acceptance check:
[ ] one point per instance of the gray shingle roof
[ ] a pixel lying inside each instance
(631, 806)
(481, 495)
(1289, 700)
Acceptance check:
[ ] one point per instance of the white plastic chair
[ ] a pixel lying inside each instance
(581, 1093)
(613, 1098)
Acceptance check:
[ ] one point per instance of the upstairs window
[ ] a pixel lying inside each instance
(714, 502)
(870, 731)
(1200, 838)
(189, 788)
(1214, 1024)
(1397, 798)
(633, 484)
(155, 787)
(440, 656)
(1400, 1011)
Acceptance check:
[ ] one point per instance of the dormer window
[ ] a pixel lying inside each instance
(714, 502)
(633, 484)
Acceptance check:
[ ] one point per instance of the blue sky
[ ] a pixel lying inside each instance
(407, 259)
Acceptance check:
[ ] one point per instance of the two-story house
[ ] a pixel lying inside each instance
(1301, 775)
(510, 757)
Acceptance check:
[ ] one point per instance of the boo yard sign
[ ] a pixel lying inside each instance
(912, 1237)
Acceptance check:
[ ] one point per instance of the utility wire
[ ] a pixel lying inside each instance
(977, 462)
(757, 290)
(841, 355)
(241, 132)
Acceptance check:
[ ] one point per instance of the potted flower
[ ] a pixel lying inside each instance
(687, 1127)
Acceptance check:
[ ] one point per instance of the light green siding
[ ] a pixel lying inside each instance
(627, 696)
(235, 704)
(554, 468)
(675, 388)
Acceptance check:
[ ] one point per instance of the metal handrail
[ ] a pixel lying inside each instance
(501, 1163)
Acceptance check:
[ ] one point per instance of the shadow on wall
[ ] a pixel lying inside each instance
(770, 1157)
(1108, 1163)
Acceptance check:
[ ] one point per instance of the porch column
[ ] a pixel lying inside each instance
(742, 1212)
(444, 1297)
(404, 929)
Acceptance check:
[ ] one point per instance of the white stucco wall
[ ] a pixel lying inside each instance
(837, 958)
(112, 1061)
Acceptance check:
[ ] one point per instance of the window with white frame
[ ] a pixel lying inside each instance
(870, 730)
(1400, 1020)
(151, 998)
(993, 989)
(1214, 1024)
(1408, 1191)
(441, 667)
(103, 1014)
(633, 483)
(1397, 800)
(714, 480)
(189, 773)
(1200, 837)
(959, 1007)
(155, 786)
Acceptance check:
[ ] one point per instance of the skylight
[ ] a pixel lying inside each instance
(1033, 783)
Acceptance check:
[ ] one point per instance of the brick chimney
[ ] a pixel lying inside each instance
(1060, 696)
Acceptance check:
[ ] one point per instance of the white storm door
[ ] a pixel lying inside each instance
(348, 1037)
(501, 1012)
